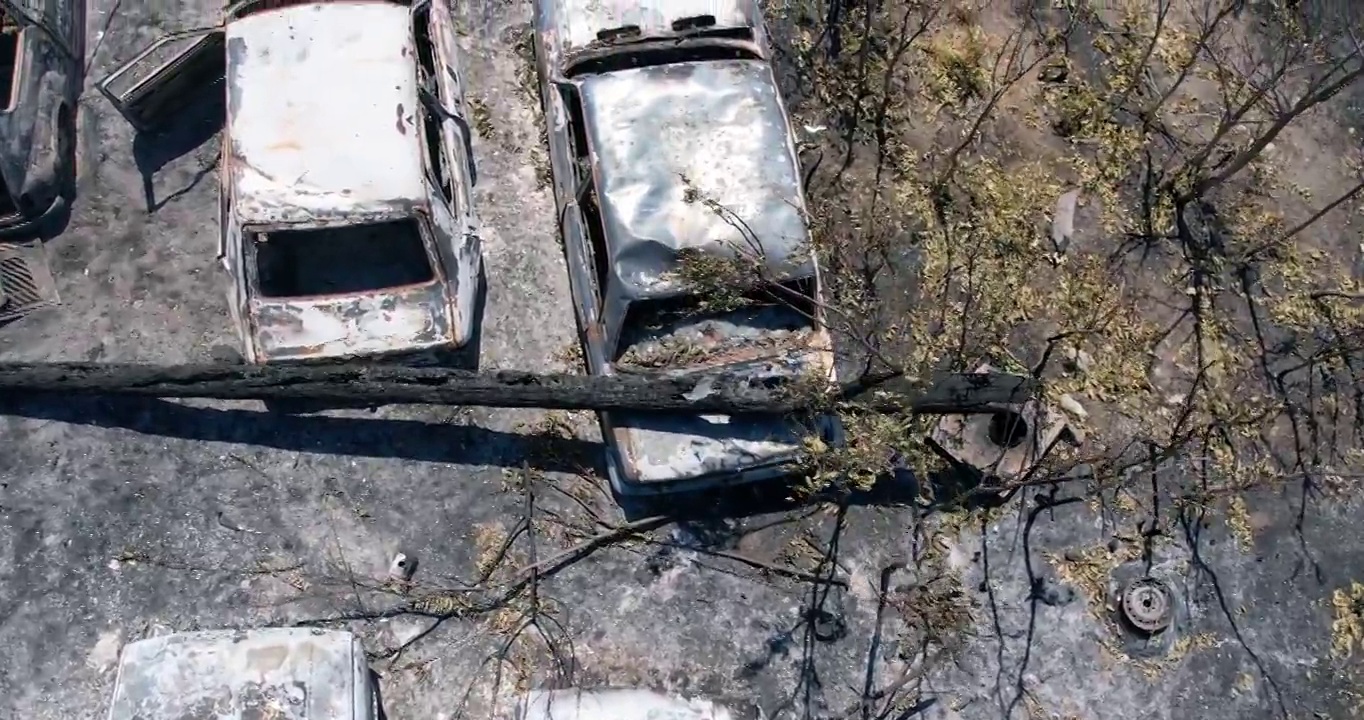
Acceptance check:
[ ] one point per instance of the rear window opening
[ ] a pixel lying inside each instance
(10, 36)
(701, 330)
(692, 48)
(340, 261)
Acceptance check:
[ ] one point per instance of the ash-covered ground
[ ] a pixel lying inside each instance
(123, 518)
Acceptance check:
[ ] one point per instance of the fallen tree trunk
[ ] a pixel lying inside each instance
(396, 384)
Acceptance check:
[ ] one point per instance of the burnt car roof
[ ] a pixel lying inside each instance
(693, 155)
(286, 673)
(322, 101)
(574, 24)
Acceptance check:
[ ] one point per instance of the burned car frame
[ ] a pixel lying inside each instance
(670, 145)
(346, 219)
(42, 52)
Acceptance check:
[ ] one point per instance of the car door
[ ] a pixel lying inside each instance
(455, 133)
(230, 254)
(167, 76)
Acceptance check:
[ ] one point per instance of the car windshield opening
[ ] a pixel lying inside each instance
(717, 45)
(716, 329)
(10, 36)
(351, 259)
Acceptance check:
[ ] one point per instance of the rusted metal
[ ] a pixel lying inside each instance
(277, 673)
(669, 139)
(45, 42)
(1006, 444)
(308, 166)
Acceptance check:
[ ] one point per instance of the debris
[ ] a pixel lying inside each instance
(1063, 220)
(402, 568)
(1007, 443)
(222, 520)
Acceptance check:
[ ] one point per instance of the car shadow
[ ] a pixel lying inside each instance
(203, 117)
(360, 437)
(767, 497)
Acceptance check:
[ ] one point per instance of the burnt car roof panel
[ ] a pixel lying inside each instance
(285, 673)
(693, 155)
(322, 103)
(576, 23)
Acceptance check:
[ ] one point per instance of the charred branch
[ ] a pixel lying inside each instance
(727, 393)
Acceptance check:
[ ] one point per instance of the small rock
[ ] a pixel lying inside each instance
(1073, 407)
(1052, 593)
(224, 353)
(1077, 360)
(1055, 72)
(106, 650)
(1063, 220)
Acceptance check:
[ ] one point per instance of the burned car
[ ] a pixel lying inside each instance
(671, 148)
(42, 47)
(346, 220)
(285, 673)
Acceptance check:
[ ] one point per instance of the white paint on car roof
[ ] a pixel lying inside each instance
(322, 103)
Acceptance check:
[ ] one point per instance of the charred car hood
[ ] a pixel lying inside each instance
(392, 321)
